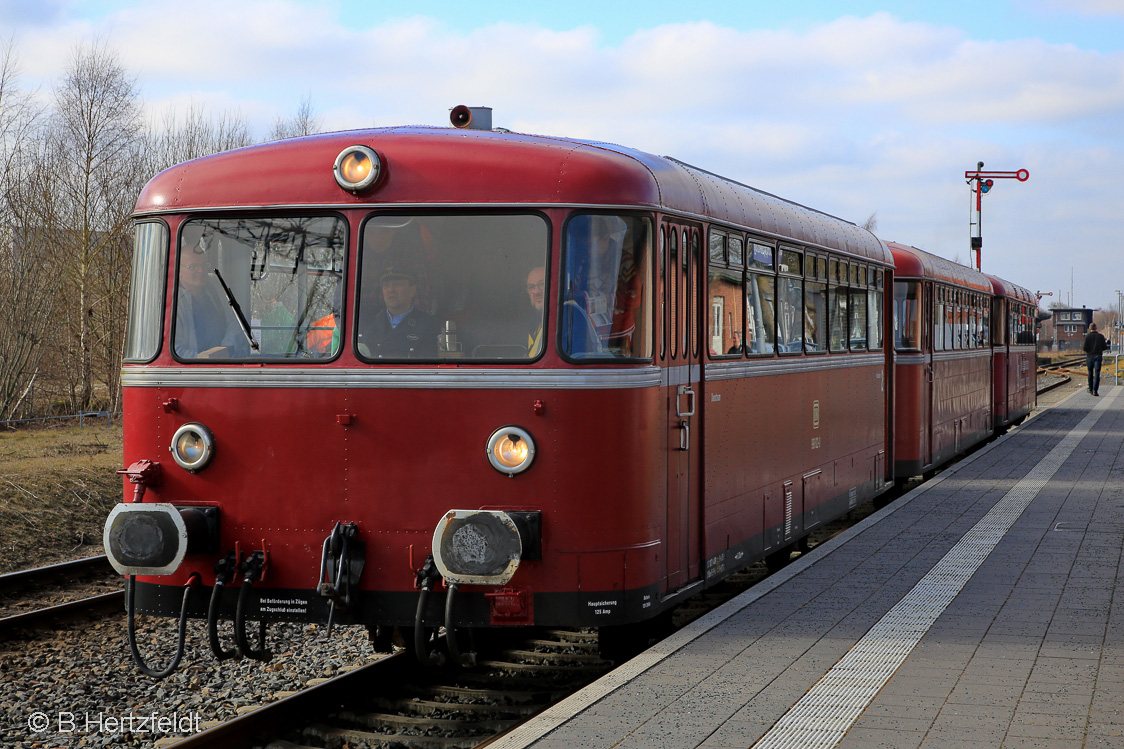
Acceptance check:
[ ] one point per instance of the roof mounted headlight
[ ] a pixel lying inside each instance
(193, 446)
(357, 168)
(511, 450)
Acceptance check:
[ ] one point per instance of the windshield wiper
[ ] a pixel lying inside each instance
(237, 311)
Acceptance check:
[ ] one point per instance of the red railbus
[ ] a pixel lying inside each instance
(410, 378)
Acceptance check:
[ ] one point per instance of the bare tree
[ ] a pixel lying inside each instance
(195, 135)
(304, 122)
(97, 128)
(28, 272)
(871, 224)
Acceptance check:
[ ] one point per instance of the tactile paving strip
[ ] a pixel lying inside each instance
(824, 715)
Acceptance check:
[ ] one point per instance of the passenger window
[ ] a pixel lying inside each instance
(725, 292)
(857, 304)
(453, 287)
(874, 314)
(760, 313)
(907, 316)
(606, 308)
(815, 316)
(837, 309)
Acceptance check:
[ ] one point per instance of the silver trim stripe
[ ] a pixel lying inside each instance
(824, 715)
(770, 367)
(327, 377)
(979, 353)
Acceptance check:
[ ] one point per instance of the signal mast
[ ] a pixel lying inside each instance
(981, 183)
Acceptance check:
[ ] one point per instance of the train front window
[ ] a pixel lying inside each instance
(260, 288)
(438, 287)
(606, 310)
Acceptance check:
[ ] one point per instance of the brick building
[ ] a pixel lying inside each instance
(1066, 328)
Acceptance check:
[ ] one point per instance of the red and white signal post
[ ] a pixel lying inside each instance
(981, 183)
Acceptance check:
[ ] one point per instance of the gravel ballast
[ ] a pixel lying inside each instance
(78, 686)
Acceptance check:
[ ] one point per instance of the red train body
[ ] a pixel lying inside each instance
(710, 376)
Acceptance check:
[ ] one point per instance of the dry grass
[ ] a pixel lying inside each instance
(57, 485)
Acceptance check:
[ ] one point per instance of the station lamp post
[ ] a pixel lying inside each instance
(981, 183)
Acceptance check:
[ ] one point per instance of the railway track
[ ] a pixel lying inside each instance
(20, 611)
(395, 702)
(1077, 361)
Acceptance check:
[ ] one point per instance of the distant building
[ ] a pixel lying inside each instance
(1066, 328)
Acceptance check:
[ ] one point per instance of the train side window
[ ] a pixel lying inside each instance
(760, 301)
(874, 311)
(790, 302)
(691, 265)
(734, 250)
(717, 246)
(663, 293)
(907, 316)
(949, 320)
(973, 324)
(815, 316)
(960, 324)
(857, 310)
(815, 304)
(837, 309)
(146, 296)
(606, 310)
(986, 327)
(724, 288)
(673, 290)
(998, 322)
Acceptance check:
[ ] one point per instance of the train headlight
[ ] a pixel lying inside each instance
(193, 446)
(511, 450)
(145, 539)
(357, 168)
(477, 547)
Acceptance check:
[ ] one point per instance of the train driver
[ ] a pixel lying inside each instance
(206, 326)
(400, 331)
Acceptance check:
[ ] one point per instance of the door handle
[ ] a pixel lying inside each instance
(685, 390)
(684, 435)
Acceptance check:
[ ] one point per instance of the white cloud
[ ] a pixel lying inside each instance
(852, 117)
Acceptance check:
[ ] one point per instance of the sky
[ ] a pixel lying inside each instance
(857, 109)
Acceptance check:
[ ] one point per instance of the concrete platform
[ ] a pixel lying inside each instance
(977, 611)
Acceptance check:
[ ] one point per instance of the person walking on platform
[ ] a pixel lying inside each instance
(1095, 346)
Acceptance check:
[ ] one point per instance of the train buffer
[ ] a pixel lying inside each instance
(977, 610)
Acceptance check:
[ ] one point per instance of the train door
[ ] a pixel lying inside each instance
(680, 248)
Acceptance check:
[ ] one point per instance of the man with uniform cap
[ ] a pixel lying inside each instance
(400, 331)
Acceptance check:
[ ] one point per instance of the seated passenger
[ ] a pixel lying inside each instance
(536, 291)
(400, 331)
